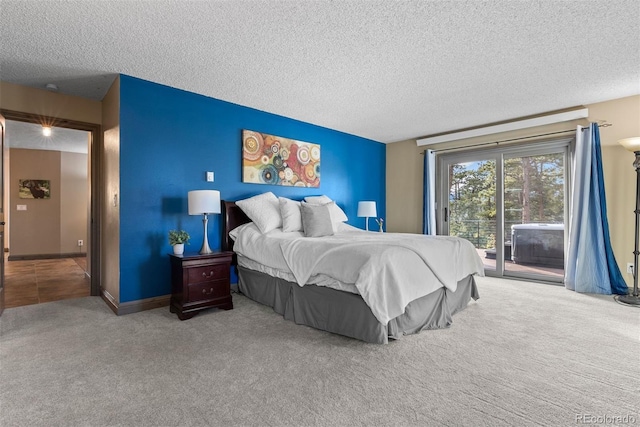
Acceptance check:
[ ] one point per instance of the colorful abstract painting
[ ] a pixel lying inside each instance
(269, 159)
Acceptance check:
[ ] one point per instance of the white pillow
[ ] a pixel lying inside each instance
(291, 216)
(318, 200)
(239, 229)
(316, 219)
(337, 214)
(263, 210)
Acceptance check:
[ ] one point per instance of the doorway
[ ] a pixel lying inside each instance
(47, 213)
(2, 214)
(84, 254)
(512, 204)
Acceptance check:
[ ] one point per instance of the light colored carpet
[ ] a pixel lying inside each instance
(524, 354)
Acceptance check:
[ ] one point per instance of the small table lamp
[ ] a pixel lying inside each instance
(204, 202)
(367, 210)
(633, 145)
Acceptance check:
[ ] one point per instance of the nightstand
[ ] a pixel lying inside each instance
(199, 282)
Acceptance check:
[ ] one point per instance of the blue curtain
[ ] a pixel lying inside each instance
(429, 194)
(591, 266)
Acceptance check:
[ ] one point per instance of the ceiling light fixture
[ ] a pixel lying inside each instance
(46, 130)
(505, 127)
(51, 87)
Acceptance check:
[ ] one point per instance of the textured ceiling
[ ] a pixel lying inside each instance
(385, 70)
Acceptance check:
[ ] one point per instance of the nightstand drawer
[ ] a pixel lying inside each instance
(207, 290)
(208, 273)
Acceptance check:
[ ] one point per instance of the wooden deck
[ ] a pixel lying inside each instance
(490, 264)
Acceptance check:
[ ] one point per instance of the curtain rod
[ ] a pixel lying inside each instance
(604, 125)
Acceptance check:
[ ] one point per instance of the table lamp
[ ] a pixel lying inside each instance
(367, 210)
(204, 202)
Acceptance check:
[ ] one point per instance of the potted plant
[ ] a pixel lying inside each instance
(177, 239)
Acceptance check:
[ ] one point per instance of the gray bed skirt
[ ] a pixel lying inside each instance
(347, 314)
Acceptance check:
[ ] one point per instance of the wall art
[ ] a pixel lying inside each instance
(34, 189)
(274, 160)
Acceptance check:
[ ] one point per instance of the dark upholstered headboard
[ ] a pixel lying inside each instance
(232, 217)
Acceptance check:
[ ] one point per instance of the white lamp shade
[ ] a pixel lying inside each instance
(631, 144)
(204, 202)
(367, 209)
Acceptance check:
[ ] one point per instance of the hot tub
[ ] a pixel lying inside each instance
(538, 244)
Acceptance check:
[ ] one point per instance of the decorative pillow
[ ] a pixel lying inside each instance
(263, 210)
(337, 214)
(291, 216)
(318, 200)
(239, 229)
(316, 220)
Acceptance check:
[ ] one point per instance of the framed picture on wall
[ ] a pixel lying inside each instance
(273, 160)
(34, 189)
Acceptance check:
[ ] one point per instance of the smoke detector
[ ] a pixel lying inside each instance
(51, 87)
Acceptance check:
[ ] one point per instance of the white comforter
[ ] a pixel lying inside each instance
(389, 269)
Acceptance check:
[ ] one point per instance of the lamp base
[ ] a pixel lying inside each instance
(205, 249)
(628, 300)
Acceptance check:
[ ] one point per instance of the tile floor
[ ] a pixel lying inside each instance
(43, 280)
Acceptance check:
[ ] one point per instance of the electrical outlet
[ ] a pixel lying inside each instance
(630, 267)
(80, 242)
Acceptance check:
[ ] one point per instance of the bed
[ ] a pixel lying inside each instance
(324, 302)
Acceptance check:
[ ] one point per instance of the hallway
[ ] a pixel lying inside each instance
(43, 280)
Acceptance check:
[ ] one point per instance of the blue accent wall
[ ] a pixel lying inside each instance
(169, 138)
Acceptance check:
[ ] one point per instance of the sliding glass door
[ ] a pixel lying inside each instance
(534, 213)
(471, 204)
(511, 203)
